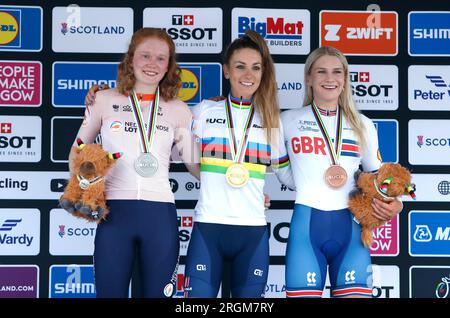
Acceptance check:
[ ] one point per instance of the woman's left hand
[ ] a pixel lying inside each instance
(386, 210)
(266, 201)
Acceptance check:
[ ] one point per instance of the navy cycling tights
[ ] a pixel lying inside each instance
(145, 228)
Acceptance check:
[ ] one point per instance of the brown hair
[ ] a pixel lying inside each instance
(170, 83)
(265, 98)
(345, 101)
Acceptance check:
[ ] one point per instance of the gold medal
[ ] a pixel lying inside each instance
(335, 176)
(237, 175)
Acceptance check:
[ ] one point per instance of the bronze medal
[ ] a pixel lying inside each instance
(335, 176)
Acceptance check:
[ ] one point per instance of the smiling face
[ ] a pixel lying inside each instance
(150, 64)
(327, 80)
(244, 71)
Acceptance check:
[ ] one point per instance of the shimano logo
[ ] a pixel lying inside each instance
(442, 34)
(83, 84)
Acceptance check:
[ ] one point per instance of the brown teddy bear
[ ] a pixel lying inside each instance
(84, 195)
(391, 180)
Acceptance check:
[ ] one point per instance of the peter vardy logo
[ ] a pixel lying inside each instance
(8, 239)
(429, 233)
(9, 224)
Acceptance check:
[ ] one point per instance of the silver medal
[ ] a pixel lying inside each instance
(146, 165)
(84, 184)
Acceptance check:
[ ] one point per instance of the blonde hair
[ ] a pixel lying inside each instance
(265, 98)
(346, 102)
(171, 82)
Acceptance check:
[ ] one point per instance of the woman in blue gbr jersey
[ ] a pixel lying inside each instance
(327, 140)
(240, 138)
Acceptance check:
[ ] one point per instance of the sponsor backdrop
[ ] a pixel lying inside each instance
(53, 52)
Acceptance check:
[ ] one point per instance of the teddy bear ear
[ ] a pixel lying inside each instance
(411, 189)
(80, 143)
(115, 155)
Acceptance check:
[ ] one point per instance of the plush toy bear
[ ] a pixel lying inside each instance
(391, 180)
(84, 195)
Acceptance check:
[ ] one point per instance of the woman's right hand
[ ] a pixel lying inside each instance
(90, 96)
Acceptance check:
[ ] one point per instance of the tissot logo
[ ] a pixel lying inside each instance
(5, 128)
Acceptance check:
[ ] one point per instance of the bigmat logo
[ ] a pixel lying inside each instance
(290, 84)
(194, 30)
(94, 30)
(71, 281)
(72, 80)
(429, 33)
(285, 31)
(20, 28)
(20, 138)
(429, 87)
(20, 83)
(387, 138)
(429, 233)
(429, 282)
(360, 32)
(200, 81)
(429, 142)
(19, 281)
(375, 87)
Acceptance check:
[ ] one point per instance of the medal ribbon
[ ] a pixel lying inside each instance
(335, 152)
(146, 135)
(236, 154)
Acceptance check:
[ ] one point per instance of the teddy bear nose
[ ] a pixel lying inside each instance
(87, 168)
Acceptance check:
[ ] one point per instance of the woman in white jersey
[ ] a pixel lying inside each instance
(327, 141)
(143, 119)
(239, 140)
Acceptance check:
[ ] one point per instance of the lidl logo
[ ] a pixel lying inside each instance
(190, 83)
(9, 28)
(200, 81)
(360, 32)
(20, 28)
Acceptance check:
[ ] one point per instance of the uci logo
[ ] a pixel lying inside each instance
(190, 85)
(9, 28)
